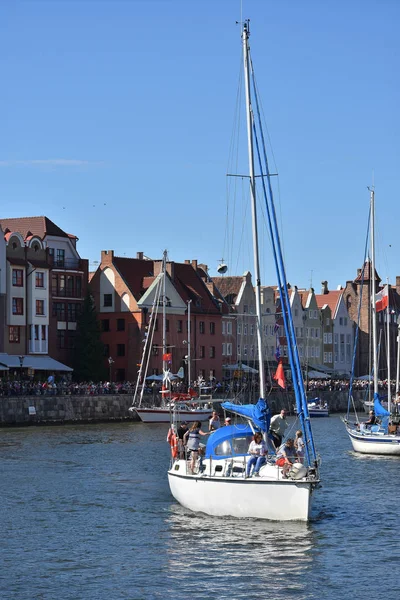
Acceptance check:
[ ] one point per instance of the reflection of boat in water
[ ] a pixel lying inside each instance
(265, 552)
(219, 484)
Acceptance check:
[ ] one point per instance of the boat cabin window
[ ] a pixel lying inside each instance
(237, 445)
(241, 444)
(223, 449)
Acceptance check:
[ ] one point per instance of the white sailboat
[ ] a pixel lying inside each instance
(188, 406)
(382, 437)
(219, 485)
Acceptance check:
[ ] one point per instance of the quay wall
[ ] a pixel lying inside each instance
(58, 410)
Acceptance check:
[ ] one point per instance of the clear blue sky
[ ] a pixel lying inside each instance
(117, 118)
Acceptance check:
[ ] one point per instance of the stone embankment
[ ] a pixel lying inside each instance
(57, 410)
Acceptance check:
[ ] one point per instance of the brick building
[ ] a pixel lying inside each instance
(357, 295)
(124, 288)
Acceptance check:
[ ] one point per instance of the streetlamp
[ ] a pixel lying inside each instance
(110, 363)
(21, 363)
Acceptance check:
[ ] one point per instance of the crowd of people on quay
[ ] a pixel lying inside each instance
(62, 388)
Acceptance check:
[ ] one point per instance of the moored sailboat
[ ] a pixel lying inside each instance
(220, 484)
(190, 406)
(383, 436)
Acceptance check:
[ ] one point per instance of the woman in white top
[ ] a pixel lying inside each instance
(258, 451)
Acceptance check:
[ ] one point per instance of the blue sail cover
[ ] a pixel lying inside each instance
(230, 440)
(259, 413)
(378, 408)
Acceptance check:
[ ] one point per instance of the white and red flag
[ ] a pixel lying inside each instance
(382, 299)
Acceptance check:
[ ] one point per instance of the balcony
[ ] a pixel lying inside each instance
(72, 264)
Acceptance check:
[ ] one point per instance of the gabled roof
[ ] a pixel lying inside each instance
(332, 299)
(190, 286)
(134, 271)
(229, 285)
(27, 226)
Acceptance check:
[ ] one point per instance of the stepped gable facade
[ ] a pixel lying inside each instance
(124, 290)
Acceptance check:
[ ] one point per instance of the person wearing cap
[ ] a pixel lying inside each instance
(228, 421)
(278, 427)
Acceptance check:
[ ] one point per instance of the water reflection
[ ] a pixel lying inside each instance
(247, 554)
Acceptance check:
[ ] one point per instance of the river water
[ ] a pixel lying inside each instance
(87, 514)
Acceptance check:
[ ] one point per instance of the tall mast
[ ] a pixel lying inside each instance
(188, 346)
(389, 374)
(245, 38)
(164, 311)
(373, 294)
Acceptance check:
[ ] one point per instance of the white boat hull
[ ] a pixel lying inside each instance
(272, 498)
(374, 443)
(163, 415)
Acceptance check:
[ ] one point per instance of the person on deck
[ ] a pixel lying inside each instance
(299, 446)
(286, 456)
(278, 427)
(371, 420)
(258, 451)
(182, 429)
(214, 422)
(228, 421)
(192, 442)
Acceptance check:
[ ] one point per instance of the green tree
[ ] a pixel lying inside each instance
(88, 361)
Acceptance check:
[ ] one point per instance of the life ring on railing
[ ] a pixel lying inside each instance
(174, 445)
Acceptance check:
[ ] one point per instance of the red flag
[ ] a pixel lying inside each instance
(280, 375)
(167, 357)
(382, 299)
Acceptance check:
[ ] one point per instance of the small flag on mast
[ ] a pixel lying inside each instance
(382, 299)
(280, 375)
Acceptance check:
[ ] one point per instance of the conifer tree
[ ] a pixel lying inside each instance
(88, 361)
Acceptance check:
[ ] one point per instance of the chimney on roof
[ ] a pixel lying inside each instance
(359, 272)
(187, 262)
(324, 289)
(107, 256)
(171, 270)
(194, 264)
(139, 255)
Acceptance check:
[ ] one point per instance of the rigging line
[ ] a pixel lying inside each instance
(264, 120)
(358, 317)
(293, 352)
(231, 187)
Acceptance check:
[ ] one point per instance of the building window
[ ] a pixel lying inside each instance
(229, 328)
(202, 351)
(78, 287)
(212, 328)
(106, 350)
(17, 277)
(60, 257)
(201, 327)
(239, 329)
(61, 339)
(229, 349)
(212, 351)
(120, 349)
(17, 306)
(120, 324)
(105, 324)
(107, 300)
(246, 308)
(238, 349)
(244, 350)
(40, 308)
(39, 279)
(59, 311)
(223, 327)
(179, 326)
(244, 329)
(74, 310)
(14, 335)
